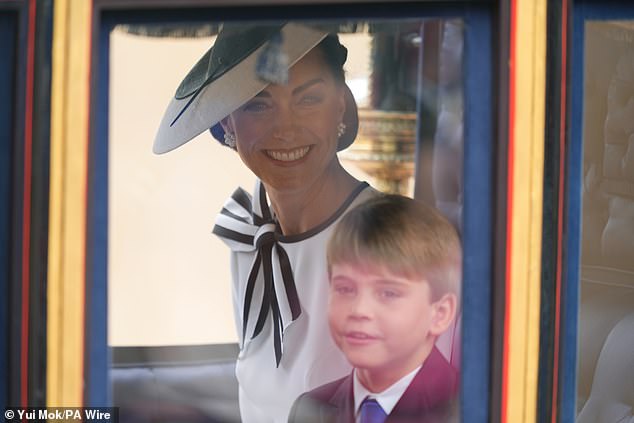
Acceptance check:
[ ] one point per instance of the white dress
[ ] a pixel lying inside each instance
(307, 354)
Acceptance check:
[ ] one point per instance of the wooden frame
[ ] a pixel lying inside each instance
(476, 328)
(524, 221)
(13, 18)
(510, 274)
(27, 208)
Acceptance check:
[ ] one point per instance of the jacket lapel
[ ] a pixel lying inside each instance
(430, 395)
(343, 401)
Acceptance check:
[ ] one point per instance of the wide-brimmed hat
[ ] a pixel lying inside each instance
(225, 78)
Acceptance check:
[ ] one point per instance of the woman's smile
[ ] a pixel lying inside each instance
(288, 155)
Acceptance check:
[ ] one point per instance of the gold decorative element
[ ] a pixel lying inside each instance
(385, 148)
(524, 213)
(67, 210)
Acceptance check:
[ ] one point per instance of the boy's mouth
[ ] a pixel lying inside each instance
(359, 338)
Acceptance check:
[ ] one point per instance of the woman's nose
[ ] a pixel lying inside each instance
(285, 126)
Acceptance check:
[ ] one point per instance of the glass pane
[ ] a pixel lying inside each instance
(170, 279)
(606, 315)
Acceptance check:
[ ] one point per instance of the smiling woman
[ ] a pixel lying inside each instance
(288, 135)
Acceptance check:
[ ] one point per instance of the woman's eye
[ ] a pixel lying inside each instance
(255, 106)
(309, 100)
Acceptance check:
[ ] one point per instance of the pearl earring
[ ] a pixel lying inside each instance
(230, 140)
(341, 129)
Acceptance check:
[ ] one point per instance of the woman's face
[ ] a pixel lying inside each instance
(287, 134)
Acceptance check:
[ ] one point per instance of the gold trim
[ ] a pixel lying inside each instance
(526, 219)
(67, 219)
(385, 148)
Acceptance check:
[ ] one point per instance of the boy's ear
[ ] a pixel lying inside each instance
(443, 312)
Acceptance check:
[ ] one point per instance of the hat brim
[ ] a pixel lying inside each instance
(228, 92)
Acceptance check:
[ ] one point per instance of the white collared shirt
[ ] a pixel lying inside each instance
(386, 399)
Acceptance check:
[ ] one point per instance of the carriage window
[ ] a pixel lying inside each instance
(406, 77)
(606, 314)
(171, 322)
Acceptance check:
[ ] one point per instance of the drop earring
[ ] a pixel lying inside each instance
(341, 129)
(230, 140)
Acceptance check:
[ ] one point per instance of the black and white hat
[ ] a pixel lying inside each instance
(225, 78)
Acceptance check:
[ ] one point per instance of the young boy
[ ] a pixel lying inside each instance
(395, 273)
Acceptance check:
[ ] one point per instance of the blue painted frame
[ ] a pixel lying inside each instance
(13, 26)
(479, 164)
(8, 35)
(478, 215)
(97, 352)
(583, 10)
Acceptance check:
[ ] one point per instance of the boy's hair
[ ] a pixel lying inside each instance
(408, 237)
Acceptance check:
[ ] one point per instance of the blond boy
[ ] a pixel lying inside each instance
(395, 273)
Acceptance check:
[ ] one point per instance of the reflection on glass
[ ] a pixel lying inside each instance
(448, 142)
(606, 316)
(174, 352)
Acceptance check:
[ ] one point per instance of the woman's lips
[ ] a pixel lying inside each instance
(288, 155)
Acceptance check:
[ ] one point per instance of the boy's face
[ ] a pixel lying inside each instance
(383, 321)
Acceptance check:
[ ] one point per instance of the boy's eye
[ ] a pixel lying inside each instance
(389, 293)
(344, 289)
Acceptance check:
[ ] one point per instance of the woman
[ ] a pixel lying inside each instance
(288, 134)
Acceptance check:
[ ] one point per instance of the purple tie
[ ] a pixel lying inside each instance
(371, 412)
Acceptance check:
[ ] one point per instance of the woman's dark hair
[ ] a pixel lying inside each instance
(335, 56)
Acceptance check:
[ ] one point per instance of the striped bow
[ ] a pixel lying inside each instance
(247, 225)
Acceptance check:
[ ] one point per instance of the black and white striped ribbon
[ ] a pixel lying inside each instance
(247, 225)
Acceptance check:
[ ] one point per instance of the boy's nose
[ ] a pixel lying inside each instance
(361, 307)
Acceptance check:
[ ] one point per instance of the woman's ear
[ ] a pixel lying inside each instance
(341, 103)
(443, 312)
(227, 125)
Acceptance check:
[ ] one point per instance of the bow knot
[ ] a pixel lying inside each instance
(266, 235)
(248, 226)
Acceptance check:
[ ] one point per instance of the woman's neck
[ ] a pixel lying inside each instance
(301, 210)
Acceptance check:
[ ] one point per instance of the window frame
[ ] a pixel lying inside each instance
(480, 187)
